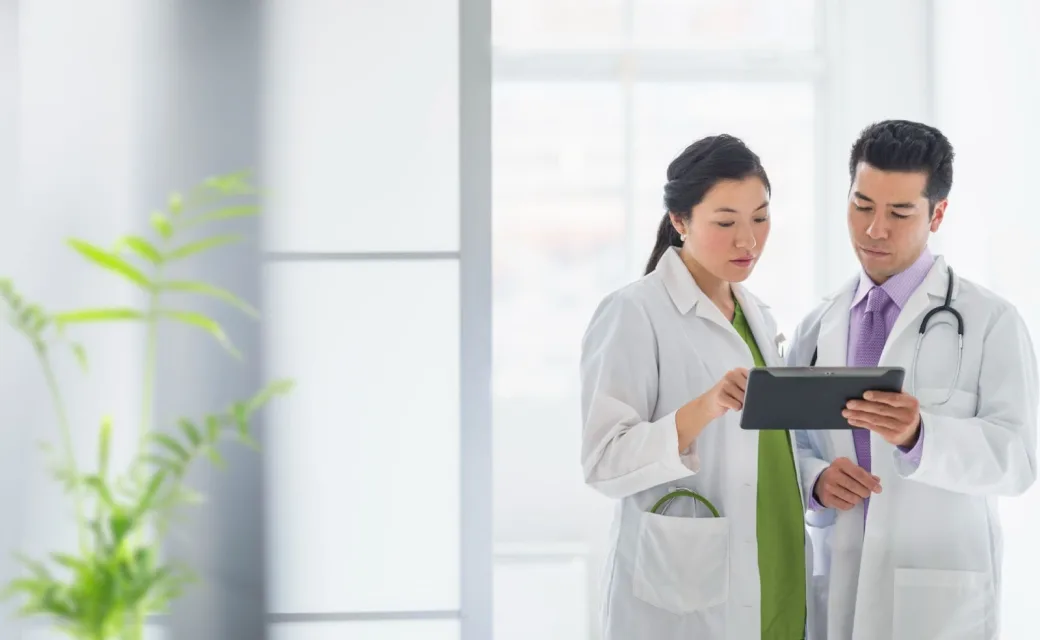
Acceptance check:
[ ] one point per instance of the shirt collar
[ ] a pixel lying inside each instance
(900, 286)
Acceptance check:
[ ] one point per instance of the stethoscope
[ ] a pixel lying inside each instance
(945, 307)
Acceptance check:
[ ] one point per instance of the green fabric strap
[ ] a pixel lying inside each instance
(780, 526)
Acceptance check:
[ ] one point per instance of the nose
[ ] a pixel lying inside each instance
(745, 238)
(878, 230)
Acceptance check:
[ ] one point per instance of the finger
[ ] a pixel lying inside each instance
(890, 398)
(884, 430)
(861, 476)
(841, 499)
(874, 408)
(732, 396)
(868, 420)
(737, 380)
(852, 485)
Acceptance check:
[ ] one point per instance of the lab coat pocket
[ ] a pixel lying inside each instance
(682, 564)
(942, 605)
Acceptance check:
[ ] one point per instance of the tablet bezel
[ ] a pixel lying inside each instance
(800, 410)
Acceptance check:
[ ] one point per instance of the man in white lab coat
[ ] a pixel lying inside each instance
(903, 509)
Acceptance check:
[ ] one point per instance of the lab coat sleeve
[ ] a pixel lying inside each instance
(993, 453)
(623, 452)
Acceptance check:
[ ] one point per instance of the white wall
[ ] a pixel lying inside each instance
(987, 101)
(73, 111)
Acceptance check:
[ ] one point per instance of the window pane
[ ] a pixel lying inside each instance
(364, 455)
(560, 240)
(776, 121)
(725, 25)
(373, 170)
(559, 226)
(368, 630)
(542, 594)
(557, 24)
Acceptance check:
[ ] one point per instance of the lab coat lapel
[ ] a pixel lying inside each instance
(832, 345)
(764, 336)
(687, 296)
(833, 340)
(909, 319)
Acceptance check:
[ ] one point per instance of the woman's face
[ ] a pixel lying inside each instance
(728, 230)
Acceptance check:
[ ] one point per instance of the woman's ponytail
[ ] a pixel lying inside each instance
(667, 237)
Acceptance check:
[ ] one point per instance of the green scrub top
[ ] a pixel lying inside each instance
(780, 524)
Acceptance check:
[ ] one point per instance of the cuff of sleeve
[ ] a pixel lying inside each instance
(911, 456)
(687, 461)
(813, 503)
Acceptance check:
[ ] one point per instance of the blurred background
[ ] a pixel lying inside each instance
(450, 188)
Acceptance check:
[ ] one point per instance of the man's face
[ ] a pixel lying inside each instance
(890, 219)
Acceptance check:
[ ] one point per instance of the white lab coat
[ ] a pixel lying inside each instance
(928, 565)
(650, 348)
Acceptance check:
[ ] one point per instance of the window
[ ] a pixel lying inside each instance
(592, 99)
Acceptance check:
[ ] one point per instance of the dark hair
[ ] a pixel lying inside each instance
(904, 146)
(693, 174)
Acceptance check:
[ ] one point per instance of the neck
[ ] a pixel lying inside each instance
(718, 290)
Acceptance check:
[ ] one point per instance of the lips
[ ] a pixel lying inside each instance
(743, 262)
(873, 252)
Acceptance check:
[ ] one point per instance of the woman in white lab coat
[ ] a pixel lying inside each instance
(708, 538)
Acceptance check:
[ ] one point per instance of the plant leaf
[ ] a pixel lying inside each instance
(214, 456)
(149, 495)
(81, 355)
(217, 215)
(175, 204)
(104, 441)
(212, 429)
(276, 388)
(143, 248)
(191, 432)
(99, 486)
(206, 289)
(172, 445)
(162, 225)
(111, 262)
(97, 315)
(211, 326)
(199, 246)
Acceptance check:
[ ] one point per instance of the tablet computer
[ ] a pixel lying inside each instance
(810, 397)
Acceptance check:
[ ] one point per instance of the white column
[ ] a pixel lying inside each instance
(988, 98)
(870, 79)
(70, 115)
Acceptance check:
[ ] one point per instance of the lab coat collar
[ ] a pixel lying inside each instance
(685, 293)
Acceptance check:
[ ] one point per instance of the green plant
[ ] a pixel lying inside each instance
(116, 577)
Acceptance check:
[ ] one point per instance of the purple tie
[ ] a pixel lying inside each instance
(869, 344)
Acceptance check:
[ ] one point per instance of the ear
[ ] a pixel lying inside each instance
(678, 224)
(937, 215)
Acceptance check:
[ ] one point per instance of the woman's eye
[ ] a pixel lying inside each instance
(763, 219)
(724, 224)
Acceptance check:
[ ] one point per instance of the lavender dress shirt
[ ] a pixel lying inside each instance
(899, 289)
